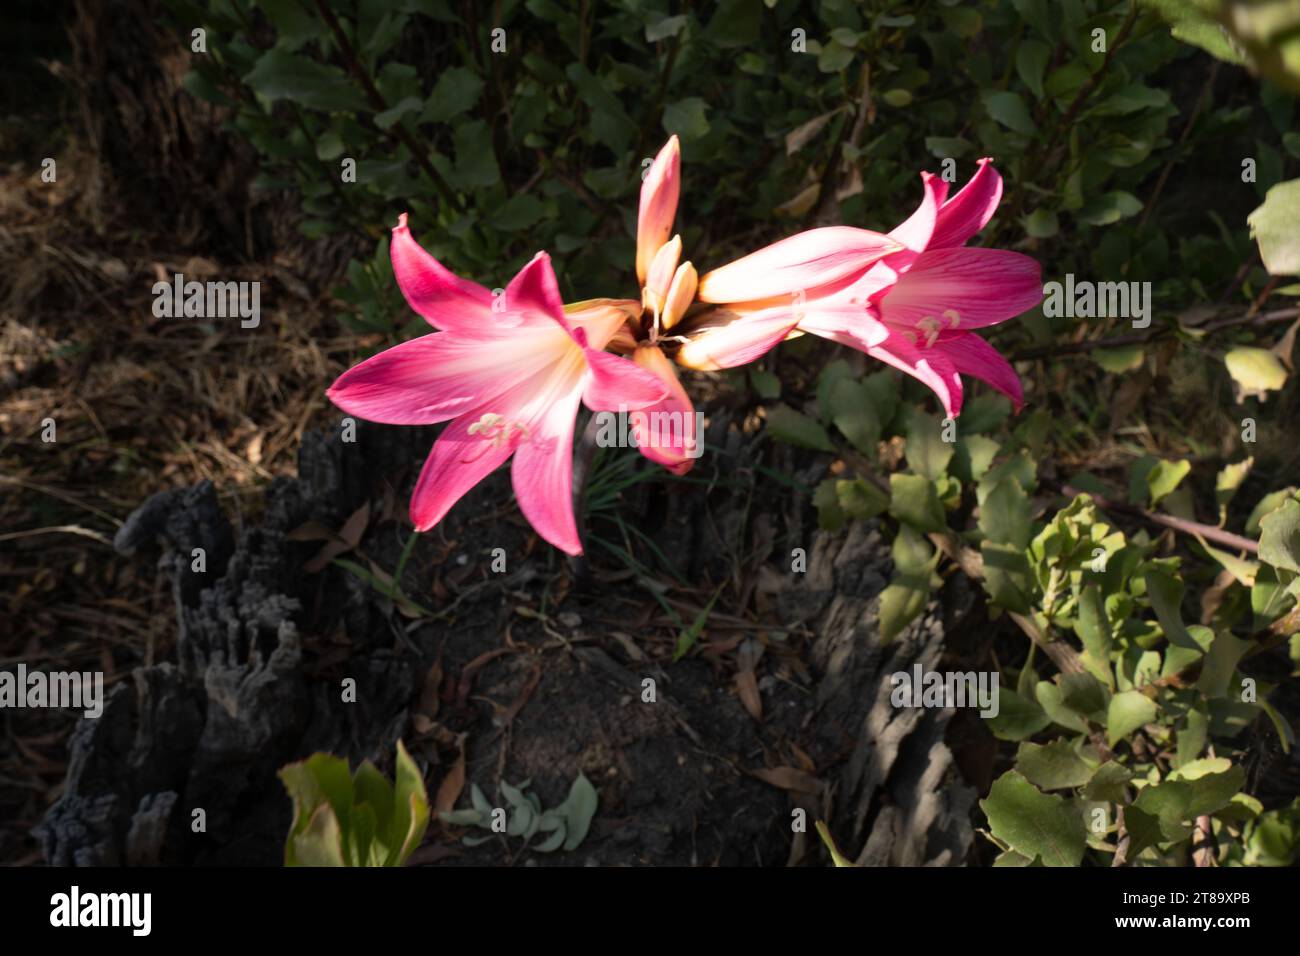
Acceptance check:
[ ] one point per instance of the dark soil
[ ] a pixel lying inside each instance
(529, 673)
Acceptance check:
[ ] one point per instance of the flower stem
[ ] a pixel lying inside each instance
(584, 455)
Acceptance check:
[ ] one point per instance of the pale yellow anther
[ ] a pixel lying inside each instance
(930, 326)
(486, 425)
(497, 430)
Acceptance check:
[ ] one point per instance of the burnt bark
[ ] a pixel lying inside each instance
(897, 800)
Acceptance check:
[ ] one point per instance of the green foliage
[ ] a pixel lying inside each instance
(1263, 36)
(1273, 226)
(1108, 129)
(354, 819)
(565, 826)
(1152, 695)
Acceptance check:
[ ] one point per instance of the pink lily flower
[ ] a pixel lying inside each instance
(508, 373)
(911, 308)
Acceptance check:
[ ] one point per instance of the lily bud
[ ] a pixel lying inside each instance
(680, 295)
(661, 272)
(658, 207)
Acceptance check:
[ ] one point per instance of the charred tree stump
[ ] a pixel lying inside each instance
(176, 769)
(897, 800)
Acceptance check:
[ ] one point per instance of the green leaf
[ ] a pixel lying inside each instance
(1163, 811)
(1166, 595)
(294, 25)
(927, 452)
(1279, 542)
(834, 57)
(1273, 226)
(861, 499)
(1220, 664)
(687, 118)
(912, 553)
(1275, 837)
(360, 819)
(1127, 712)
(947, 147)
(1108, 783)
(455, 94)
(1052, 700)
(1191, 23)
(850, 407)
(579, 809)
(1004, 514)
(795, 428)
(1257, 371)
(1007, 576)
(1228, 481)
(1164, 477)
(1032, 57)
(834, 373)
(1084, 695)
(913, 500)
(735, 23)
(329, 146)
(901, 602)
(765, 383)
(610, 123)
(374, 792)
(1190, 739)
(1034, 824)
(279, 75)
(518, 212)
(393, 115)
(908, 593)
(964, 22)
(838, 858)
(319, 844)
(1093, 627)
(1266, 506)
(826, 499)
(410, 810)
(196, 84)
(1118, 361)
(689, 635)
(1053, 766)
(476, 164)
(1018, 717)
(974, 456)
(367, 846)
(1042, 224)
(1109, 208)
(463, 818)
(1010, 110)
(557, 828)
(661, 28)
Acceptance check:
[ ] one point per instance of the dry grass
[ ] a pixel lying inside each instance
(139, 404)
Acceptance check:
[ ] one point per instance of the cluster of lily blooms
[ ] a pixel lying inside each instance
(508, 372)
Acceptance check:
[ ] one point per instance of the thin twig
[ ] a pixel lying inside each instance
(583, 459)
(379, 104)
(57, 529)
(1196, 528)
(1143, 338)
(1187, 129)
